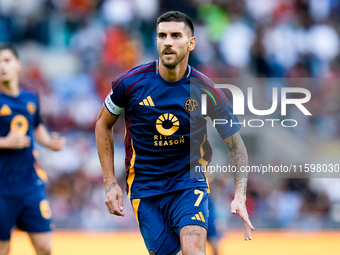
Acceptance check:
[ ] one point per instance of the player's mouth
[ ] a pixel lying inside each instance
(168, 53)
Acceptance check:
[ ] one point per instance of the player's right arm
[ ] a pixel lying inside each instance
(104, 138)
(15, 141)
(238, 157)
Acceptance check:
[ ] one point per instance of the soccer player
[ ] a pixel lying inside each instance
(23, 201)
(165, 140)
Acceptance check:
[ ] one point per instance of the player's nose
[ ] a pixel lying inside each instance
(168, 42)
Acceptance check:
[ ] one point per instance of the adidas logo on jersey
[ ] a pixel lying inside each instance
(5, 110)
(147, 101)
(198, 216)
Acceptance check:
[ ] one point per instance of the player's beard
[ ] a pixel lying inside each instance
(171, 64)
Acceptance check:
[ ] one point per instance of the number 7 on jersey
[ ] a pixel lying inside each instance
(200, 196)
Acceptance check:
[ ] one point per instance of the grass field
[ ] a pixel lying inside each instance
(131, 243)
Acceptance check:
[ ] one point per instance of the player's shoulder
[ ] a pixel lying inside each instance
(29, 94)
(136, 73)
(24, 94)
(200, 79)
(146, 66)
(205, 85)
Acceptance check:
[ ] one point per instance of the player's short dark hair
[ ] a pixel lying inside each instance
(10, 47)
(177, 17)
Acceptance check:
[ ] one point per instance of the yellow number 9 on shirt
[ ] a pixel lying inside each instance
(19, 124)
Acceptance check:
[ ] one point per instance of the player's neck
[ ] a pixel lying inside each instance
(10, 88)
(173, 74)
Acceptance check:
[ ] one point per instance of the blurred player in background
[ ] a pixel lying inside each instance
(23, 201)
(165, 139)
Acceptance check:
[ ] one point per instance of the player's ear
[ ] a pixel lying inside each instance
(19, 66)
(192, 43)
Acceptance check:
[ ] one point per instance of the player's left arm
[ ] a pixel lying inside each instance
(238, 157)
(53, 142)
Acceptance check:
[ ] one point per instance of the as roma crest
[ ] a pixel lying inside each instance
(191, 105)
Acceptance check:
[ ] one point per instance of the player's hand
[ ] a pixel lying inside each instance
(15, 140)
(238, 205)
(114, 199)
(57, 143)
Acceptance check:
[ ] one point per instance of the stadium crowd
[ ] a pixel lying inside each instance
(73, 49)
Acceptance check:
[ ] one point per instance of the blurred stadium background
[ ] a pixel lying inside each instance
(73, 49)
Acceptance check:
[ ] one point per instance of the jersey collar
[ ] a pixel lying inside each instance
(186, 75)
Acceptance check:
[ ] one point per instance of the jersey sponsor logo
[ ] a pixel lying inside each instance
(162, 140)
(167, 124)
(5, 110)
(191, 105)
(19, 124)
(147, 101)
(31, 108)
(198, 216)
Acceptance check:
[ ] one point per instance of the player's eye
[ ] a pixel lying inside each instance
(176, 35)
(161, 35)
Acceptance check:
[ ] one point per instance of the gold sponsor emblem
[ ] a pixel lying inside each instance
(19, 124)
(167, 124)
